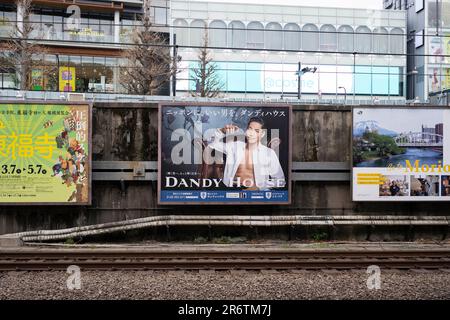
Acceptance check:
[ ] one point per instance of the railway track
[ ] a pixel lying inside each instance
(225, 259)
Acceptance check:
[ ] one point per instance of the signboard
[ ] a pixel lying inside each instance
(224, 153)
(45, 153)
(67, 79)
(37, 79)
(401, 154)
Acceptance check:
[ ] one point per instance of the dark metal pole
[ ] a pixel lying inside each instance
(175, 60)
(299, 79)
(437, 18)
(354, 76)
(57, 72)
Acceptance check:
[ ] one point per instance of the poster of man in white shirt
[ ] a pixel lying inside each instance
(224, 154)
(249, 163)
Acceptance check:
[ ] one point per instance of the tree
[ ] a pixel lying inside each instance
(21, 53)
(149, 64)
(206, 74)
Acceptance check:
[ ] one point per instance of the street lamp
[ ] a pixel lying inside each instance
(413, 74)
(301, 72)
(345, 94)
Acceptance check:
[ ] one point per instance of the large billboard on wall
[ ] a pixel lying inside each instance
(45, 153)
(401, 154)
(224, 153)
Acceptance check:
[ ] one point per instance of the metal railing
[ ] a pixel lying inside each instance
(148, 171)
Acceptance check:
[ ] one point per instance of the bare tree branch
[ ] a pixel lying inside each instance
(206, 75)
(21, 53)
(149, 64)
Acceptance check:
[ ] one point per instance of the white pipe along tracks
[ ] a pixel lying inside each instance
(231, 220)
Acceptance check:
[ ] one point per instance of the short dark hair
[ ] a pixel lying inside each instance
(256, 119)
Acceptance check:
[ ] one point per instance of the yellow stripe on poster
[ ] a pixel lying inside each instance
(368, 174)
(371, 182)
(370, 178)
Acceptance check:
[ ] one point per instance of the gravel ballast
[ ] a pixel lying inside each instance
(414, 284)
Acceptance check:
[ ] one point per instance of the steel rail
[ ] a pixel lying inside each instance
(283, 259)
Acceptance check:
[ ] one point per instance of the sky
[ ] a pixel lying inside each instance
(402, 120)
(361, 4)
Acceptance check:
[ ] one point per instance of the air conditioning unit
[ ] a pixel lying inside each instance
(75, 97)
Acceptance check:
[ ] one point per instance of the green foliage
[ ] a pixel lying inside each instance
(319, 236)
(200, 239)
(69, 241)
(380, 146)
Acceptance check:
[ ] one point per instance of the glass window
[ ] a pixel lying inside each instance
(160, 15)
(35, 20)
(8, 80)
(253, 77)
(433, 13)
(273, 77)
(290, 79)
(7, 23)
(380, 80)
(106, 31)
(363, 81)
(274, 36)
(255, 35)
(397, 40)
(395, 81)
(237, 34)
(236, 82)
(218, 34)
(445, 13)
(345, 38)
(84, 23)
(363, 41)
(380, 40)
(327, 79)
(182, 32)
(292, 37)
(58, 26)
(328, 39)
(197, 32)
(310, 37)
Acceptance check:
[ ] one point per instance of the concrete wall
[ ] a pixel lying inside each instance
(320, 133)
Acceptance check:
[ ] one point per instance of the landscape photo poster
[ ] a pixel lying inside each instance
(224, 153)
(45, 153)
(401, 154)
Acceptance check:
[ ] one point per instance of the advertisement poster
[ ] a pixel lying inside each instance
(37, 79)
(401, 154)
(67, 79)
(224, 153)
(44, 154)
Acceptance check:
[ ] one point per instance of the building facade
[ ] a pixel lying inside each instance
(428, 46)
(259, 49)
(84, 41)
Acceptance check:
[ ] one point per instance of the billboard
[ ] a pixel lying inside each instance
(45, 153)
(67, 79)
(224, 153)
(401, 154)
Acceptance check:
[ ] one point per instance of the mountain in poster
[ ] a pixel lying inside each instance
(370, 125)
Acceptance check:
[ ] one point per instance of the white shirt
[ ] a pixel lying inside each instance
(266, 166)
